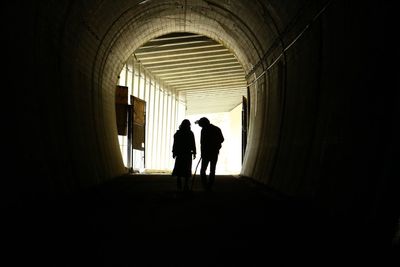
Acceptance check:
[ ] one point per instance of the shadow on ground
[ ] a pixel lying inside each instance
(140, 220)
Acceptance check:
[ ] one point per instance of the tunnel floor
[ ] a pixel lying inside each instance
(140, 220)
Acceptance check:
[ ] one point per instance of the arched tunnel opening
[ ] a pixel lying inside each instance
(180, 76)
(321, 133)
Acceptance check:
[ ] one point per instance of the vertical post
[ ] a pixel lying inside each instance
(244, 126)
(139, 77)
(133, 76)
(144, 126)
(150, 114)
(158, 124)
(129, 148)
(145, 78)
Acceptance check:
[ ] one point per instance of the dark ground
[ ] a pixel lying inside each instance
(140, 220)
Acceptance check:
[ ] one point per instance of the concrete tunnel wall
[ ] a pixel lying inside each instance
(322, 110)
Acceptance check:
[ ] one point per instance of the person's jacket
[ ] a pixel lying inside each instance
(211, 140)
(184, 143)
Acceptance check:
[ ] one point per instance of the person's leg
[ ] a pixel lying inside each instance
(186, 185)
(203, 169)
(179, 183)
(213, 165)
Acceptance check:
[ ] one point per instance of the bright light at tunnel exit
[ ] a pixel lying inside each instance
(166, 107)
(229, 160)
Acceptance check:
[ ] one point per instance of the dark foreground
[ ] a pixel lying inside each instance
(140, 220)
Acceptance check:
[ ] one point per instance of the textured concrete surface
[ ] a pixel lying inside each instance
(140, 220)
(323, 112)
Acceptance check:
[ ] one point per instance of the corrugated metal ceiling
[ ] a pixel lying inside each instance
(206, 74)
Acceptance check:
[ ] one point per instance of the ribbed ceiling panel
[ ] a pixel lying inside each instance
(205, 73)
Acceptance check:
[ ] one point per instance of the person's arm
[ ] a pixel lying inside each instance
(202, 141)
(193, 145)
(174, 148)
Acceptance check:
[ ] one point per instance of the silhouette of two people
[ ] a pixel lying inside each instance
(183, 149)
(211, 140)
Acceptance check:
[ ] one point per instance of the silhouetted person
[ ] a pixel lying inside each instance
(182, 150)
(210, 142)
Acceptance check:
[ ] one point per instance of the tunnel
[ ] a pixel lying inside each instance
(321, 83)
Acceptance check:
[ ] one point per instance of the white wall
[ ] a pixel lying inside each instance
(229, 161)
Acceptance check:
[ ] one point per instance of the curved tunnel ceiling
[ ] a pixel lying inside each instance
(140, 23)
(322, 121)
(205, 74)
(96, 39)
(320, 99)
(249, 32)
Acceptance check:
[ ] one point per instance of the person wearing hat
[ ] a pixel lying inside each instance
(211, 139)
(183, 148)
